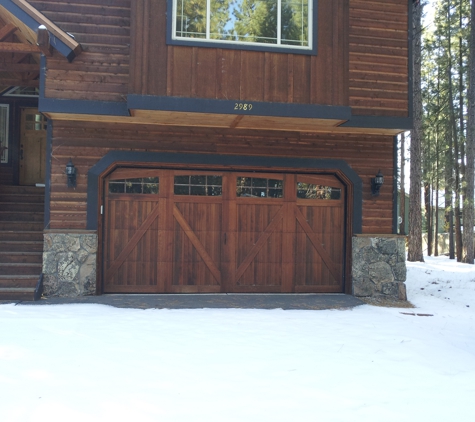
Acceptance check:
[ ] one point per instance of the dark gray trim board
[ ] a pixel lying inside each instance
(108, 108)
(395, 176)
(379, 122)
(243, 46)
(199, 105)
(131, 157)
(33, 25)
(49, 154)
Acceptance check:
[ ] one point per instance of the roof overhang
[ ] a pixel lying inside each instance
(27, 19)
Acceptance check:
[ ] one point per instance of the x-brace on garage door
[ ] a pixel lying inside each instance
(184, 231)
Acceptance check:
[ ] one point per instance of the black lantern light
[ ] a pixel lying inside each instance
(71, 174)
(376, 183)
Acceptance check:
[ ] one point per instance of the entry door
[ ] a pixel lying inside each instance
(170, 231)
(32, 147)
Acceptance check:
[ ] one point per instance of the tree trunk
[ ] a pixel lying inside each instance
(415, 210)
(454, 141)
(402, 200)
(428, 213)
(468, 207)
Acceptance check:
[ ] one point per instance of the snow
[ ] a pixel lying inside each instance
(99, 363)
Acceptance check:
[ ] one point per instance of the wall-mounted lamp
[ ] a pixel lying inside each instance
(376, 183)
(71, 174)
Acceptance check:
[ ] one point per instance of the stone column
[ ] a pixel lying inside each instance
(379, 266)
(69, 263)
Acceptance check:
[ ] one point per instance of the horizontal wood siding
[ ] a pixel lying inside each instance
(214, 73)
(88, 142)
(378, 57)
(101, 71)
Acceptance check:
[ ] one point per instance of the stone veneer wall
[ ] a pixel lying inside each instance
(69, 263)
(379, 266)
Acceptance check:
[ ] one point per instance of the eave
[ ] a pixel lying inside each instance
(27, 19)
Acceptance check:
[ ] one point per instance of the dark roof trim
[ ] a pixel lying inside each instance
(69, 48)
(155, 158)
(379, 122)
(199, 105)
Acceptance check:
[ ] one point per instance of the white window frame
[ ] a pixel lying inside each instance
(266, 46)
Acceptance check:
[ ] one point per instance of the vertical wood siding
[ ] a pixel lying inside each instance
(214, 73)
(378, 57)
(101, 71)
(89, 142)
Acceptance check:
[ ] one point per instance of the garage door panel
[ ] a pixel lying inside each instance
(224, 232)
(197, 245)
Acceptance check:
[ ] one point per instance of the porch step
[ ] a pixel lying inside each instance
(21, 241)
(21, 216)
(21, 246)
(21, 226)
(18, 282)
(15, 268)
(23, 236)
(12, 293)
(21, 257)
(37, 207)
(23, 190)
(21, 198)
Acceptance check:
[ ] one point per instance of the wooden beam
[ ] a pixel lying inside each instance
(54, 29)
(20, 82)
(18, 67)
(43, 41)
(7, 30)
(16, 47)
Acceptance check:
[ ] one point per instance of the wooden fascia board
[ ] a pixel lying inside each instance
(32, 18)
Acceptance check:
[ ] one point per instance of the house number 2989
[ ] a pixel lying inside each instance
(243, 106)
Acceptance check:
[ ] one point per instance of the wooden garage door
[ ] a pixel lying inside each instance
(170, 231)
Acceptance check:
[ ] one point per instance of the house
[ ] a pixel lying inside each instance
(188, 146)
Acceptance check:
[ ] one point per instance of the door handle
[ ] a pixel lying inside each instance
(21, 153)
(225, 238)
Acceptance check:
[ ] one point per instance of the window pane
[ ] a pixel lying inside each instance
(254, 21)
(198, 180)
(258, 187)
(182, 180)
(182, 190)
(198, 185)
(148, 185)
(116, 187)
(198, 190)
(310, 191)
(214, 180)
(294, 22)
(191, 18)
(133, 187)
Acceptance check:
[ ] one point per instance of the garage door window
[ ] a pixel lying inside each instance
(141, 185)
(259, 188)
(311, 191)
(199, 185)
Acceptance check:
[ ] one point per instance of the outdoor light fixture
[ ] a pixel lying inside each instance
(71, 173)
(376, 183)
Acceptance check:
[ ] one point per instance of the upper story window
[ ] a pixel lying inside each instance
(258, 24)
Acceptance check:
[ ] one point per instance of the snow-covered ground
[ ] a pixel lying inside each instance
(98, 363)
